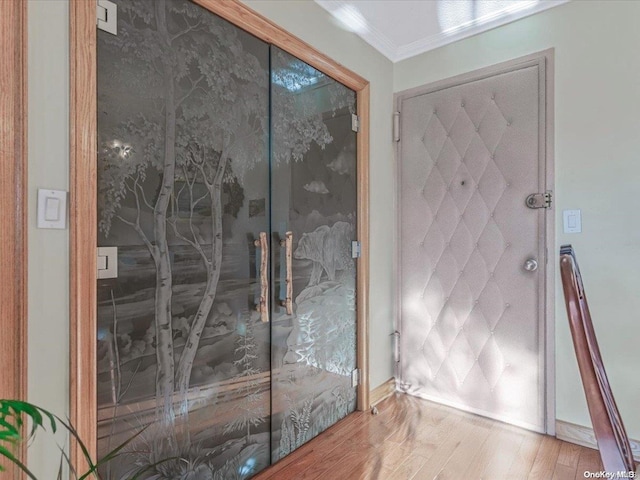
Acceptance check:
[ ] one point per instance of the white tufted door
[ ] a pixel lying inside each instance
(472, 330)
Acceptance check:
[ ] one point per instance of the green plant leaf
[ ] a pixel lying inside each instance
(7, 454)
(12, 414)
(12, 417)
(10, 438)
(113, 453)
(72, 470)
(60, 467)
(83, 447)
(31, 411)
(10, 428)
(15, 409)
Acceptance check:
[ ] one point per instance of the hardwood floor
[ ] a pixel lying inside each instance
(415, 439)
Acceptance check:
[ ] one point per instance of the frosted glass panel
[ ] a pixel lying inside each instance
(227, 180)
(183, 156)
(314, 199)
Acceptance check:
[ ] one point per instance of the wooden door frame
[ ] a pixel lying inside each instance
(83, 195)
(545, 61)
(13, 205)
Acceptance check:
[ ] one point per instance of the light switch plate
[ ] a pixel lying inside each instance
(52, 209)
(572, 221)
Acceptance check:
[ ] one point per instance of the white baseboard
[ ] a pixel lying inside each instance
(570, 432)
(383, 391)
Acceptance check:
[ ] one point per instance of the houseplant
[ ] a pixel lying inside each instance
(16, 414)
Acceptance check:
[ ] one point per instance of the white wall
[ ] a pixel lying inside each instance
(315, 26)
(48, 86)
(597, 131)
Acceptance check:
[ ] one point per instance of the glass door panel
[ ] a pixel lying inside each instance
(313, 218)
(183, 168)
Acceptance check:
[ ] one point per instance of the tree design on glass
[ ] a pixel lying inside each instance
(198, 122)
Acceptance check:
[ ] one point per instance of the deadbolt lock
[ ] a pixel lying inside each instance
(539, 200)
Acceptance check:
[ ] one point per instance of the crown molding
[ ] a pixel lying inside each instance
(371, 35)
(396, 53)
(441, 39)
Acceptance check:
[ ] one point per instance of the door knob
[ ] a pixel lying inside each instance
(531, 265)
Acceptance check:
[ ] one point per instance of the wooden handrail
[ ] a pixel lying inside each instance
(613, 442)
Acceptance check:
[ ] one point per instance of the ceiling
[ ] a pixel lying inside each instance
(400, 29)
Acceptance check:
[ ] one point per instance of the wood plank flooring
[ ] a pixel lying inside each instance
(413, 439)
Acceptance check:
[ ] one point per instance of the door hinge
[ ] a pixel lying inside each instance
(356, 249)
(107, 16)
(355, 377)
(355, 122)
(396, 126)
(396, 345)
(539, 200)
(107, 262)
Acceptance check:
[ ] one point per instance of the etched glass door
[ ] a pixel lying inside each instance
(313, 218)
(183, 356)
(227, 202)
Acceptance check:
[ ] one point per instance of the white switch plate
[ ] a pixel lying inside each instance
(52, 209)
(572, 221)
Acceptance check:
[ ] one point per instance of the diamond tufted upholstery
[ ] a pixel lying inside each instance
(469, 311)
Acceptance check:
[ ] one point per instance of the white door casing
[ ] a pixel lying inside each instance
(471, 317)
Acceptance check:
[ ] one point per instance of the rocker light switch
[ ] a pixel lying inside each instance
(52, 208)
(572, 221)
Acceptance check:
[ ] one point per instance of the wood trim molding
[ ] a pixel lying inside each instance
(382, 392)
(362, 269)
(550, 232)
(13, 204)
(83, 209)
(580, 435)
(263, 28)
(83, 226)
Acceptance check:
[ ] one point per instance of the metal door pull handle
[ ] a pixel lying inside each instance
(531, 265)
